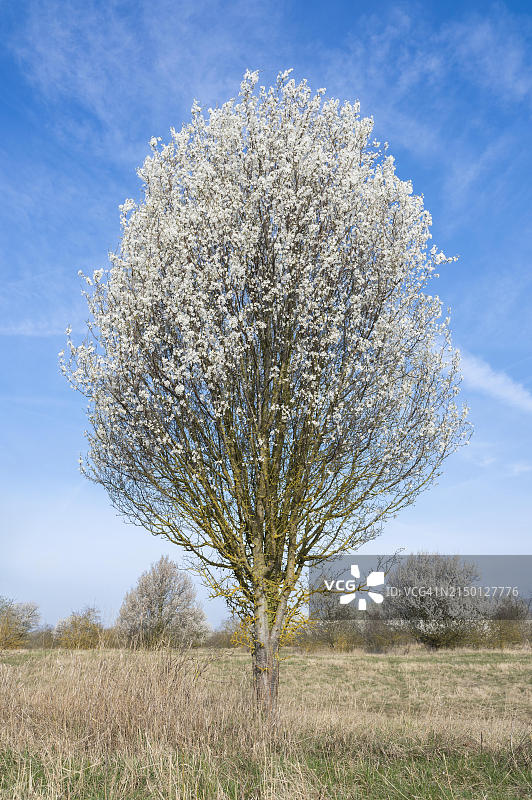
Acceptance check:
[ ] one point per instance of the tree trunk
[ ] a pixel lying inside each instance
(265, 663)
(266, 676)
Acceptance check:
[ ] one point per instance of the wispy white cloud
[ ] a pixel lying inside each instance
(480, 453)
(520, 468)
(480, 376)
(32, 328)
(389, 68)
(127, 67)
(493, 49)
(434, 91)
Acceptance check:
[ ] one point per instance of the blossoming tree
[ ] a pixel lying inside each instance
(162, 608)
(267, 378)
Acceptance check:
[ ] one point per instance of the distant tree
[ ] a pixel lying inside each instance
(162, 608)
(432, 601)
(510, 622)
(512, 608)
(17, 620)
(330, 623)
(42, 637)
(82, 630)
(226, 635)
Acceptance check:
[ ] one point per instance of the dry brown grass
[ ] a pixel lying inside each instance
(132, 725)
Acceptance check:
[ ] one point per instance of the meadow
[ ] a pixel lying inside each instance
(168, 725)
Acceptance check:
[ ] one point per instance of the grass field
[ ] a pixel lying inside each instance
(111, 724)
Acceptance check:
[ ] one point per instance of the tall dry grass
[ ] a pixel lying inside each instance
(132, 725)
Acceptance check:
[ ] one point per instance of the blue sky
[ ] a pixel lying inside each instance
(85, 85)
